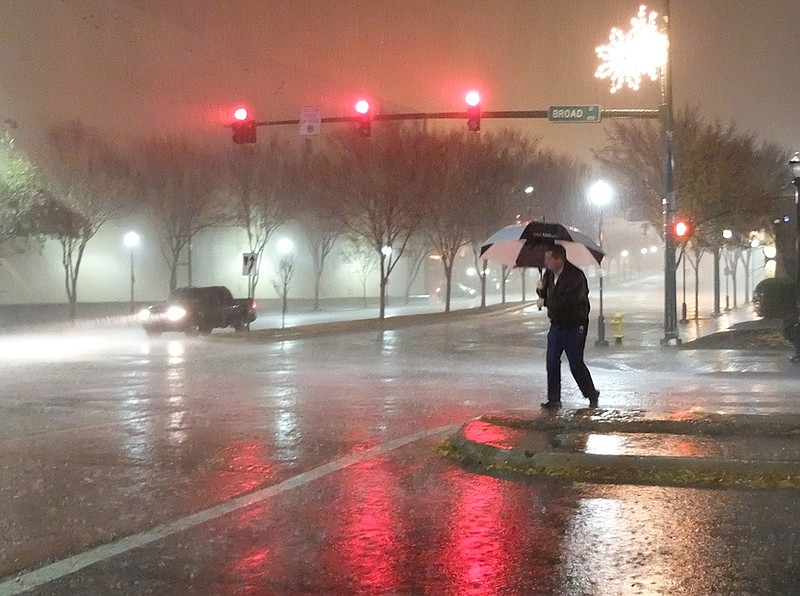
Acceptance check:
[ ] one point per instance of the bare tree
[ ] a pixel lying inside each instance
(255, 186)
(364, 259)
(417, 251)
(87, 182)
(509, 164)
(383, 192)
(317, 208)
(180, 183)
(466, 170)
(283, 284)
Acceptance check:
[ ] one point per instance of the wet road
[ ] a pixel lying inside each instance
(205, 466)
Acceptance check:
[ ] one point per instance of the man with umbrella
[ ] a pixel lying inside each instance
(565, 292)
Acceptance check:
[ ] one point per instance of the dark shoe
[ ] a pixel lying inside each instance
(593, 400)
(551, 404)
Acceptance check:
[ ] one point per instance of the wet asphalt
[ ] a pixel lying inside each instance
(310, 466)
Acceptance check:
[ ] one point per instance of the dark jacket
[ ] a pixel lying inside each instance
(568, 300)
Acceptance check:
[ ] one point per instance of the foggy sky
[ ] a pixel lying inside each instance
(142, 67)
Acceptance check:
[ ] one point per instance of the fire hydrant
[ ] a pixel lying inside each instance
(616, 324)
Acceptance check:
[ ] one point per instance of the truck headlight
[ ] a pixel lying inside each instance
(175, 313)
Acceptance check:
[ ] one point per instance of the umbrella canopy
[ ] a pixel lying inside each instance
(524, 245)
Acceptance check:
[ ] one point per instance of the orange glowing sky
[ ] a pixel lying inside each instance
(140, 67)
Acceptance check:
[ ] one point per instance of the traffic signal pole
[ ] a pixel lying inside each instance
(668, 200)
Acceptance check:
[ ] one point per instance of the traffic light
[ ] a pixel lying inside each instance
(473, 99)
(681, 230)
(244, 128)
(364, 118)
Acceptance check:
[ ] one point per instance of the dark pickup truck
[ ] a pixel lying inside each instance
(199, 310)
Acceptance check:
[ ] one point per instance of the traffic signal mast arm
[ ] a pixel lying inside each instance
(507, 114)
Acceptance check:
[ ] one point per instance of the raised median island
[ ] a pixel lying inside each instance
(635, 447)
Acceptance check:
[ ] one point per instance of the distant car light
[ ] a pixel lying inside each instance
(144, 314)
(175, 313)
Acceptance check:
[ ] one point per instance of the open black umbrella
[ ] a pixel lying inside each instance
(524, 245)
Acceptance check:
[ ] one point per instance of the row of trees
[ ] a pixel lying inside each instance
(725, 180)
(412, 190)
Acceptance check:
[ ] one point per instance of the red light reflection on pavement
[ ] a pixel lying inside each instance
(244, 467)
(370, 548)
(476, 560)
(490, 434)
(249, 568)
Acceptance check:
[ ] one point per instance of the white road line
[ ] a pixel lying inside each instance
(59, 569)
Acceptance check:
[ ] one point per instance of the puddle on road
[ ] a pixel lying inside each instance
(668, 445)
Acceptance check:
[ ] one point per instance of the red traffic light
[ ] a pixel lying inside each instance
(364, 118)
(244, 127)
(473, 99)
(362, 106)
(681, 229)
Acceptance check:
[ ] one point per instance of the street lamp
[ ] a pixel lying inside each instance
(727, 235)
(684, 320)
(527, 207)
(643, 51)
(131, 240)
(794, 164)
(624, 258)
(600, 194)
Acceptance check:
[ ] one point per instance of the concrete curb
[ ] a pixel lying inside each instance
(372, 324)
(505, 443)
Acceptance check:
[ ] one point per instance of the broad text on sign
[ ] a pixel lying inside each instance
(574, 114)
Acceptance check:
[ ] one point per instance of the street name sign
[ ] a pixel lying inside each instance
(573, 114)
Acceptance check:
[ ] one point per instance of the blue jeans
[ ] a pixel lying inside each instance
(571, 340)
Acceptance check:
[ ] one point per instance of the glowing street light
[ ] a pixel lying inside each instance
(643, 52)
(131, 240)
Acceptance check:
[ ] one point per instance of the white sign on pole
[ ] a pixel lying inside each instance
(249, 260)
(310, 121)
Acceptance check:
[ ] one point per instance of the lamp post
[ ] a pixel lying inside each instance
(684, 320)
(794, 164)
(644, 52)
(131, 240)
(600, 195)
(529, 194)
(624, 258)
(727, 235)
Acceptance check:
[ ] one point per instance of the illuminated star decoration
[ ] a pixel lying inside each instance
(629, 56)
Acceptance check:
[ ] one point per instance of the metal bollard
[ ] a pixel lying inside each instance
(616, 325)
